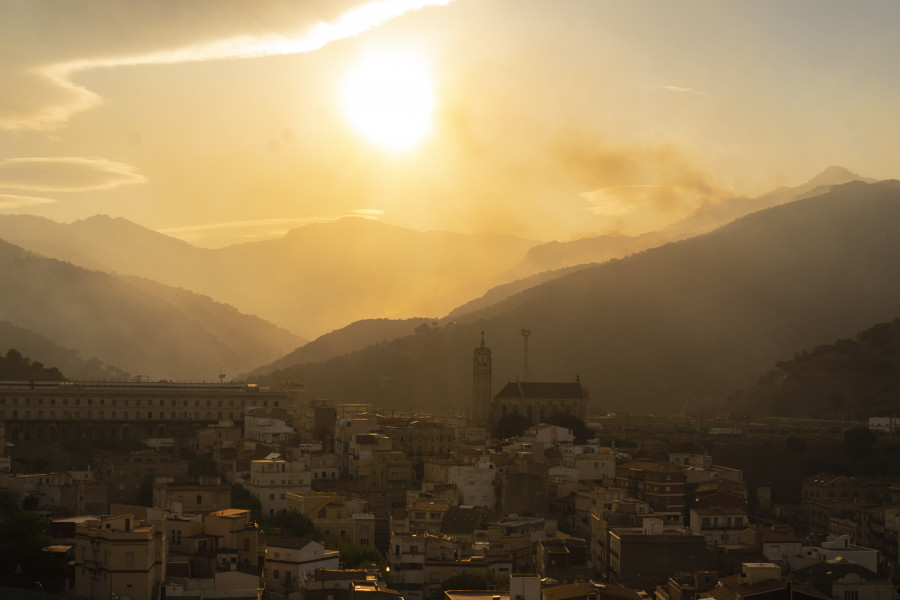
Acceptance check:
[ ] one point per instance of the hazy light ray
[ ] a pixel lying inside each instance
(350, 24)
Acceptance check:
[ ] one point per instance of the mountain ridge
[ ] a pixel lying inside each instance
(132, 326)
(694, 319)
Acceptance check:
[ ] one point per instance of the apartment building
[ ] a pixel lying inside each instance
(119, 556)
(271, 479)
(290, 561)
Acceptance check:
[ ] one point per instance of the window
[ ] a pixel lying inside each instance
(851, 595)
(275, 573)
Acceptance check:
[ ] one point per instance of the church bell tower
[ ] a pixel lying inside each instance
(481, 385)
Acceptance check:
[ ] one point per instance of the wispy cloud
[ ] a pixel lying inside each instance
(674, 88)
(370, 213)
(51, 96)
(13, 202)
(66, 174)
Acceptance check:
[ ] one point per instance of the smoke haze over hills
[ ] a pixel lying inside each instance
(694, 320)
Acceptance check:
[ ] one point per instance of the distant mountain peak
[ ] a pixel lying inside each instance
(835, 175)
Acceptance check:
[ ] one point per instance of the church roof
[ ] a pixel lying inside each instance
(542, 390)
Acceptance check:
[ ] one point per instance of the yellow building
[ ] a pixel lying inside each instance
(332, 514)
(119, 556)
(236, 532)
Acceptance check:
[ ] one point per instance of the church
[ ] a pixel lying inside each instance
(536, 400)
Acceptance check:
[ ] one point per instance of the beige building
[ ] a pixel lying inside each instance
(272, 479)
(334, 515)
(235, 531)
(475, 480)
(360, 452)
(127, 472)
(426, 515)
(718, 525)
(419, 438)
(224, 434)
(69, 492)
(390, 471)
(290, 561)
(119, 556)
(345, 431)
(206, 495)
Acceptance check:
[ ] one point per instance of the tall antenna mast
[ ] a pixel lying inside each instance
(525, 334)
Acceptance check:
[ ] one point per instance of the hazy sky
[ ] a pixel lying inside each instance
(222, 121)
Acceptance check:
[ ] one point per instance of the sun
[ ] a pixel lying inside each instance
(388, 98)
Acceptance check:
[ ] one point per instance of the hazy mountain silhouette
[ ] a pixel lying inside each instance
(852, 378)
(692, 319)
(137, 326)
(39, 348)
(16, 366)
(355, 336)
(715, 215)
(314, 279)
(547, 261)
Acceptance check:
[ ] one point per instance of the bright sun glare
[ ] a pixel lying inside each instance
(389, 100)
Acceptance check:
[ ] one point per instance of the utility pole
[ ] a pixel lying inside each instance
(525, 334)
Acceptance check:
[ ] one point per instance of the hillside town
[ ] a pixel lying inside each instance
(420, 507)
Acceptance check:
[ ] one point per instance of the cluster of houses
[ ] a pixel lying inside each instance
(544, 516)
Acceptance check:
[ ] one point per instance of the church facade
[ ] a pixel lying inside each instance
(535, 400)
(538, 400)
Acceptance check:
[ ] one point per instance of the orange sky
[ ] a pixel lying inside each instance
(220, 122)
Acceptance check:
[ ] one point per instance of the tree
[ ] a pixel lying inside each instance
(355, 556)
(859, 441)
(796, 444)
(581, 431)
(22, 541)
(290, 523)
(511, 425)
(145, 491)
(242, 498)
(30, 502)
